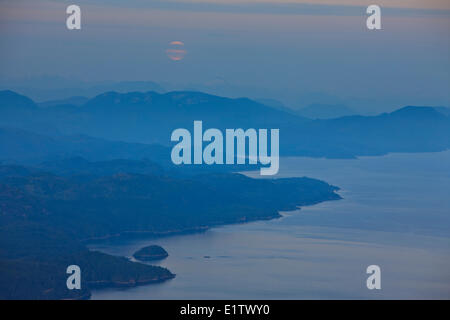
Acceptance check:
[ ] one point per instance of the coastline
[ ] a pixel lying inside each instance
(129, 235)
(136, 236)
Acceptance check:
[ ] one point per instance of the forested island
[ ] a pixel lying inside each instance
(151, 253)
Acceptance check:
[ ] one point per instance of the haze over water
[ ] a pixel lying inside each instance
(387, 217)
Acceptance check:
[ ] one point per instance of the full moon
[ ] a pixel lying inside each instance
(176, 51)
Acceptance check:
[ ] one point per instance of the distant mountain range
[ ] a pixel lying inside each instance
(44, 89)
(325, 111)
(149, 118)
(443, 110)
(29, 147)
(71, 101)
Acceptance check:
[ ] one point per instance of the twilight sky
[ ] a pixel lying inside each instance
(289, 50)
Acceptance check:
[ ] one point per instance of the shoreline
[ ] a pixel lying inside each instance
(140, 235)
(132, 236)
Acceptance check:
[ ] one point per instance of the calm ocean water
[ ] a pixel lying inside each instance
(395, 213)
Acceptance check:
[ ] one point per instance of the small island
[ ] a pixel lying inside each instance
(151, 253)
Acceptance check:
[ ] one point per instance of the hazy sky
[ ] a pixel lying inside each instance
(292, 51)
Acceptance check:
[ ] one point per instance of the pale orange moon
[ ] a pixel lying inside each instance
(176, 51)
